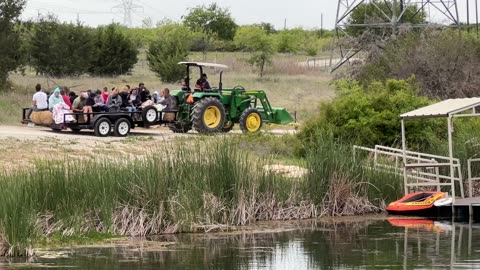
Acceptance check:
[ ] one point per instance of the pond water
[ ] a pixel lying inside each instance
(392, 243)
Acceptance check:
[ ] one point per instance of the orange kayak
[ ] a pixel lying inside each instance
(416, 204)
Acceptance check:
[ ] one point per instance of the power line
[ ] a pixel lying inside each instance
(128, 7)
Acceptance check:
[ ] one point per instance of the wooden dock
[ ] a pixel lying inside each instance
(475, 201)
(464, 209)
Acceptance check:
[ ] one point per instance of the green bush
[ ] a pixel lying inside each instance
(371, 115)
(115, 53)
(172, 46)
(59, 49)
(10, 40)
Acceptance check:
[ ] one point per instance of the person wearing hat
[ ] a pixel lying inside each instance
(202, 83)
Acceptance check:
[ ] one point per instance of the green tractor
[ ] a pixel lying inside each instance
(218, 109)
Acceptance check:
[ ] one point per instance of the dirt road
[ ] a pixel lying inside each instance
(157, 133)
(20, 146)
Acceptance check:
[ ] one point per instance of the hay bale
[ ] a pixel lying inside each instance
(169, 117)
(42, 118)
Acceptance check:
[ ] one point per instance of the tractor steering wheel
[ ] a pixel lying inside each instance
(239, 87)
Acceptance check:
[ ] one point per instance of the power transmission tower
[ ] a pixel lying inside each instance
(345, 46)
(127, 7)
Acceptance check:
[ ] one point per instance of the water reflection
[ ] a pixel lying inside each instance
(379, 244)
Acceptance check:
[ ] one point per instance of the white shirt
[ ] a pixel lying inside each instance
(41, 100)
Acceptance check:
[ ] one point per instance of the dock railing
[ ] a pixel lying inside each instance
(419, 172)
(470, 176)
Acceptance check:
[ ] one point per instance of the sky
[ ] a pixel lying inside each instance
(297, 13)
(304, 13)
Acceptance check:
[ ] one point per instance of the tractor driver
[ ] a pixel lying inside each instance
(202, 83)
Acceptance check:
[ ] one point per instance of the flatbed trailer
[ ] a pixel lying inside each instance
(104, 123)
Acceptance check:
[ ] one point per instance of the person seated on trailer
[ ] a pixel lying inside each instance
(134, 100)
(169, 101)
(114, 101)
(202, 83)
(156, 97)
(105, 95)
(143, 92)
(72, 96)
(169, 105)
(61, 113)
(93, 100)
(124, 93)
(66, 99)
(99, 103)
(54, 99)
(39, 101)
(80, 106)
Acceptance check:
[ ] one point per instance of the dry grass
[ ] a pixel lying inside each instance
(287, 84)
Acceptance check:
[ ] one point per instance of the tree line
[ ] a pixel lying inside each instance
(57, 49)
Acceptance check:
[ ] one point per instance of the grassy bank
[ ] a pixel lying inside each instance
(196, 187)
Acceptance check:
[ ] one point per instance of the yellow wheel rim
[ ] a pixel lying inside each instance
(212, 117)
(254, 121)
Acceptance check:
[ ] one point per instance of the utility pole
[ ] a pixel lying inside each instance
(345, 46)
(321, 25)
(127, 7)
(285, 24)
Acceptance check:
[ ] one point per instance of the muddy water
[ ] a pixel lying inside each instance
(370, 244)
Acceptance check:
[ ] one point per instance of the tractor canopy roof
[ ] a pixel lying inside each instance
(200, 64)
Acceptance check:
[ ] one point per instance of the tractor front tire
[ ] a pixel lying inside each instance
(228, 126)
(251, 120)
(208, 115)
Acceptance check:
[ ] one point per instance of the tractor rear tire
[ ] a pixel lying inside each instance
(208, 115)
(251, 120)
(228, 126)
(179, 128)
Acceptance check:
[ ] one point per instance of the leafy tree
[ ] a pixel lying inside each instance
(374, 13)
(115, 53)
(256, 40)
(10, 41)
(212, 19)
(370, 115)
(286, 42)
(172, 46)
(61, 49)
(267, 27)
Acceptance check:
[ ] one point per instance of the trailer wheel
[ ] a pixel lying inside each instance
(149, 115)
(121, 127)
(250, 120)
(102, 127)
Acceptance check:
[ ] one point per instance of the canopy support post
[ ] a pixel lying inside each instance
(404, 153)
(450, 155)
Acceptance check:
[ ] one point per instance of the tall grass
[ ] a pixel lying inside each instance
(194, 187)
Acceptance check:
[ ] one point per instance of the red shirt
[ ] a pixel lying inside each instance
(66, 99)
(105, 97)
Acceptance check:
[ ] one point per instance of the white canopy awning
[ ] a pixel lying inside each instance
(443, 108)
(204, 64)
